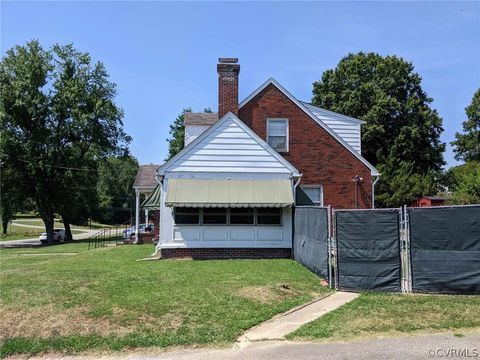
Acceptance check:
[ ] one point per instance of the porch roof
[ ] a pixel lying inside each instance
(229, 193)
(152, 202)
(146, 176)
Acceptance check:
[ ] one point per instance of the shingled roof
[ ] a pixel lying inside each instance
(200, 118)
(146, 176)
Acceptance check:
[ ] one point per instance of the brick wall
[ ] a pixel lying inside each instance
(155, 216)
(227, 88)
(225, 253)
(313, 151)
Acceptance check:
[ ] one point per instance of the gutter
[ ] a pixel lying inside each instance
(373, 190)
(159, 179)
(295, 185)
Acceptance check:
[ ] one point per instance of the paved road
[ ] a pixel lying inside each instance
(33, 242)
(28, 226)
(439, 346)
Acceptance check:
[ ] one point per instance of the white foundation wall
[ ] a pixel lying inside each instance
(222, 236)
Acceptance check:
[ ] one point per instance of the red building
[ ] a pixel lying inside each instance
(427, 201)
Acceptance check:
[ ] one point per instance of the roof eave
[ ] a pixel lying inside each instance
(373, 170)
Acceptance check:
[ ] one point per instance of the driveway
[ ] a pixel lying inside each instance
(438, 346)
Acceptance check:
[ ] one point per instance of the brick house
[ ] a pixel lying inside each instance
(428, 201)
(231, 190)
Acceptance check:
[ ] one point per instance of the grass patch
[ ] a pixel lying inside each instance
(16, 232)
(57, 223)
(106, 300)
(73, 247)
(377, 314)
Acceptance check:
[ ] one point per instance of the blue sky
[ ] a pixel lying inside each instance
(163, 55)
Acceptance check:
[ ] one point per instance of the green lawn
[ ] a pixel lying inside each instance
(21, 232)
(69, 299)
(377, 314)
(16, 232)
(59, 224)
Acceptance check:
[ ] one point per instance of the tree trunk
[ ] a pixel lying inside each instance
(48, 219)
(68, 230)
(5, 226)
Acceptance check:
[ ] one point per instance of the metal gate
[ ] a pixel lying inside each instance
(435, 249)
(445, 249)
(367, 244)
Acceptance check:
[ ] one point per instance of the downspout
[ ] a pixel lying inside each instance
(159, 179)
(373, 190)
(296, 184)
(299, 178)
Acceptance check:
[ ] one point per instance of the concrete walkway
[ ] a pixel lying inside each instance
(279, 326)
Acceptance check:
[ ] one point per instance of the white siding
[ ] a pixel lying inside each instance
(228, 149)
(233, 236)
(193, 131)
(348, 130)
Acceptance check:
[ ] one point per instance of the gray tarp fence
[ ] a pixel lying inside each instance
(445, 249)
(368, 249)
(310, 245)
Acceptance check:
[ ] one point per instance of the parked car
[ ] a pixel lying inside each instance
(127, 233)
(58, 235)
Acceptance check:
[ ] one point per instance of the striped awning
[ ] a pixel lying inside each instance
(229, 193)
(152, 202)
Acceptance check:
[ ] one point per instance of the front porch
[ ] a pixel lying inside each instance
(145, 186)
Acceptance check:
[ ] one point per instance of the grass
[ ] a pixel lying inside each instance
(59, 224)
(376, 314)
(21, 232)
(72, 300)
(16, 232)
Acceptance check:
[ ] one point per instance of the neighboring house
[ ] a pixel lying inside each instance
(427, 201)
(146, 184)
(231, 190)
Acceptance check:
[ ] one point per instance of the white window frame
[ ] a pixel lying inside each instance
(287, 141)
(314, 187)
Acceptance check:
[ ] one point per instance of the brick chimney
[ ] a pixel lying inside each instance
(228, 69)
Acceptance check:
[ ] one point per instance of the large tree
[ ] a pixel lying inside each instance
(11, 194)
(115, 188)
(176, 141)
(402, 132)
(467, 145)
(59, 118)
(463, 183)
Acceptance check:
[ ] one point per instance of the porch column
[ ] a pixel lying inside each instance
(137, 214)
(146, 217)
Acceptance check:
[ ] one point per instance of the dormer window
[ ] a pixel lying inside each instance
(277, 134)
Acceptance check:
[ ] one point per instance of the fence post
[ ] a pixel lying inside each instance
(334, 247)
(407, 252)
(402, 251)
(329, 247)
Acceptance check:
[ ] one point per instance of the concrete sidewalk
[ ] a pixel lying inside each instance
(278, 327)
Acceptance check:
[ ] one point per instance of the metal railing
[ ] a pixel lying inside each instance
(105, 237)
